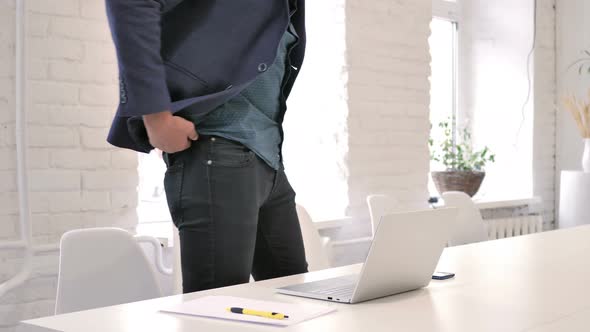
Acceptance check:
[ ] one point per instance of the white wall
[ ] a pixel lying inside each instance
(77, 180)
(8, 213)
(573, 36)
(545, 117)
(389, 65)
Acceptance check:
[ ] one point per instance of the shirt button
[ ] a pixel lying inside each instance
(209, 162)
(262, 67)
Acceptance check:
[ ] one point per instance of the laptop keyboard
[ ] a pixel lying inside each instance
(341, 287)
(344, 291)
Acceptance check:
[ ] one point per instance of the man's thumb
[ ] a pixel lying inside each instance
(193, 135)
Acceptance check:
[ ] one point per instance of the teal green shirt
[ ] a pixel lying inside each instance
(252, 118)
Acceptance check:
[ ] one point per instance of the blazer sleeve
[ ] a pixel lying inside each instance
(136, 31)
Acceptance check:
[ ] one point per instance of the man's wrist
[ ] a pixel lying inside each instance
(156, 118)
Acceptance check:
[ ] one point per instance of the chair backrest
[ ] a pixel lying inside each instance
(379, 206)
(101, 267)
(316, 248)
(176, 264)
(470, 227)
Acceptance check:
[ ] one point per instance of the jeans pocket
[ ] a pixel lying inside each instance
(173, 183)
(227, 153)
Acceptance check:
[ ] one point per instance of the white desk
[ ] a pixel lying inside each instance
(536, 283)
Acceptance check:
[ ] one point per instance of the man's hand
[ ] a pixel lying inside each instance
(169, 133)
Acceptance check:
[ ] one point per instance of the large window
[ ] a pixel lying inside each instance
(444, 77)
(152, 209)
(443, 80)
(152, 206)
(491, 88)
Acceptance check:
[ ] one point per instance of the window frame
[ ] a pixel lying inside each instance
(451, 11)
(447, 10)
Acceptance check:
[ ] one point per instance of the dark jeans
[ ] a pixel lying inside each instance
(235, 214)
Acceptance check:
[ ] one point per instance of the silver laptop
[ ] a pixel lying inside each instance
(403, 255)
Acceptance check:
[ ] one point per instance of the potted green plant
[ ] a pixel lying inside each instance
(464, 165)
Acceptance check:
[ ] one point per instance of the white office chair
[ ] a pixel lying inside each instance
(379, 206)
(104, 266)
(177, 266)
(470, 227)
(317, 248)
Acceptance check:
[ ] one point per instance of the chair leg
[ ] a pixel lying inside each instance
(177, 268)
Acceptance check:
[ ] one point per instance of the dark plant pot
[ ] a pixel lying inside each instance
(468, 182)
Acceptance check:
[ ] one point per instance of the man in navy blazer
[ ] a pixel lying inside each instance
(206, 82)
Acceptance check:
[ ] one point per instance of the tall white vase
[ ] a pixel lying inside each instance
(586, 156)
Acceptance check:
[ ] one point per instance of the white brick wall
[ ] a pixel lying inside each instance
(388, 123)
(56, 49)
(55, 7)
(77, 180)
(36, 297)
(8, 200)
(94, 138)
(545, 92)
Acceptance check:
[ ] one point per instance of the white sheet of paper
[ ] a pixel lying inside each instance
(216, 307)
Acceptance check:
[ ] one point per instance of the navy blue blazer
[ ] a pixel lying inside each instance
(192, 55)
